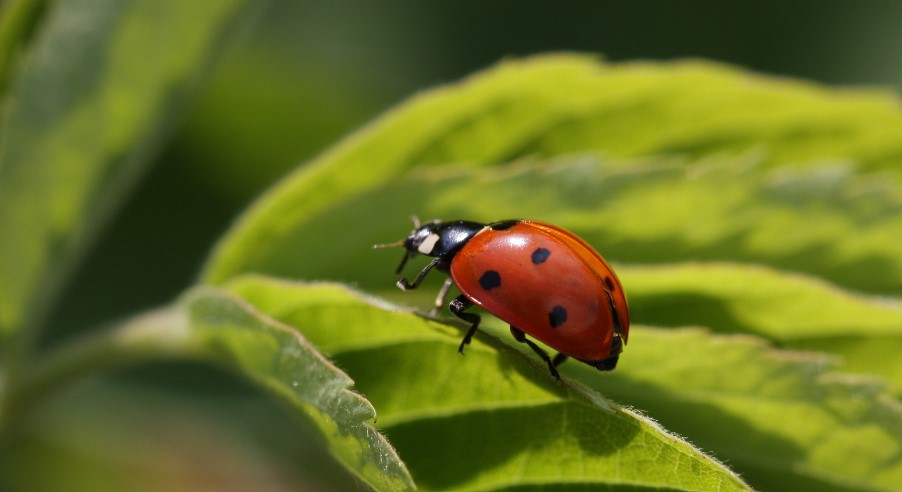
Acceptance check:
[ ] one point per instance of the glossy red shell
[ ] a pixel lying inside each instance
(571, 276)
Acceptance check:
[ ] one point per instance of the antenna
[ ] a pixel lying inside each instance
(389, 245)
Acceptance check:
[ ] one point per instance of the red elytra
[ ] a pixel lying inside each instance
(543, 280)
(551, 285)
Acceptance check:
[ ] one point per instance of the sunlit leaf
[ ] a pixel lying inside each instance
(561, 105)
(726, 167)
(490, 420)
(792, 310)
(647, 214)
(781, 419)
(280, 359)
(775, 416)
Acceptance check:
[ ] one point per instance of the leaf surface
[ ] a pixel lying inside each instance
(490, 420)
(281, 360)
(732, 190)
(555, 106)
(721, 210)
(794, 311)
(783, 418)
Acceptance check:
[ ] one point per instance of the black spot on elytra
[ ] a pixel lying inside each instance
(609, 283)
(490, 279)
(540, 255)
(557, 316)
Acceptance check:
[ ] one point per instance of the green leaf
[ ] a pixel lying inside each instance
(561, 105)
(216, 327)
(96, 87)
(795, 311)
(781, 419)
(17, 23)
(733, 215)
(280, 359)
(491, 420)
(650, 213)
(652, 164)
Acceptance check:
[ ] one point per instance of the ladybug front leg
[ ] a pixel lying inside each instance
(521, 337)
(458, 306)
(403, 284)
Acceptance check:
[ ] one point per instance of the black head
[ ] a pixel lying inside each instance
(437, 239)
(423, 238)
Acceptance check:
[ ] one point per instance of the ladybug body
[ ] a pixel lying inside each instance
(543, 280)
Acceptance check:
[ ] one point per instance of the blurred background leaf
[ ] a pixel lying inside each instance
(114, 434)
(99, 85)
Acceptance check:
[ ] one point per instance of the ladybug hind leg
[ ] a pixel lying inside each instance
(559, 358)
(458, 306)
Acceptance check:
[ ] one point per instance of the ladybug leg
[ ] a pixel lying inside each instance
(559, 359)
(403, 284)
(440, 298)
(458, 305)
(521, 337)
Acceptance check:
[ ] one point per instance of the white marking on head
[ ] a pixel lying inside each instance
(428, 244)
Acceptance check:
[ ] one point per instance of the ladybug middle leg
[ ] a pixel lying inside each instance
(521, 337)
(440, 298)
(458, 306)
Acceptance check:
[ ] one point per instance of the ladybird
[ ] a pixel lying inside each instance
(544, 281)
